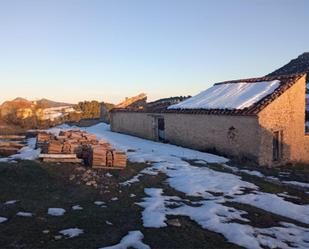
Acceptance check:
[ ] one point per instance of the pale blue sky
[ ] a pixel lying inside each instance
(71, 50)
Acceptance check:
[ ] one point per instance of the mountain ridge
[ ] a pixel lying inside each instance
(298, 65)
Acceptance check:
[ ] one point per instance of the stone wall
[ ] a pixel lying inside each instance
(228, 135)
(133, 123)
(286, 114)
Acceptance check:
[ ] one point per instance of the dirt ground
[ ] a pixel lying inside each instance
(38, 186)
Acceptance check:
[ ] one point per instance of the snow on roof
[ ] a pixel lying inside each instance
(230, 95)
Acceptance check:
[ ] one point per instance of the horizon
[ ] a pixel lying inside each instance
(102, 50)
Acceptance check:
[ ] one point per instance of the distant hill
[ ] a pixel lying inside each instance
(21, 103)
(42, 113)
(297, 65)
(46, 103)
(10, 106)
(42, 103)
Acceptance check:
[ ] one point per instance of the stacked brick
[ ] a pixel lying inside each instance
(75, 146)
(11, 144)
(42, 141)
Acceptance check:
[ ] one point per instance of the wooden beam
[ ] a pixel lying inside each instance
(57, 156)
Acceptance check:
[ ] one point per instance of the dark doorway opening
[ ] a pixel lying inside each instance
(161, 129)
(277, 146)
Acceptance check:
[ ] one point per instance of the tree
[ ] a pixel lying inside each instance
(89, 109)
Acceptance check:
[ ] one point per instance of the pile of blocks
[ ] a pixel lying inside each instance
(76, 146)
(11, 144)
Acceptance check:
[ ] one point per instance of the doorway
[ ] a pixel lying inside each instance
(277, 146)
(161, 129)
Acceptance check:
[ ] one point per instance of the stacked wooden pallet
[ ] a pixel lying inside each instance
(16, 145)
(12, 137)
(8, 151)
(42, 141)
(77, 146)
(98, 156)
(55, 147)
(103, 157)
(10, 148)
(120, 159)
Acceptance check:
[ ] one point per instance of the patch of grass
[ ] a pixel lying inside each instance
(260, 218)
(288, 172)
(265, 185)
(40, 186)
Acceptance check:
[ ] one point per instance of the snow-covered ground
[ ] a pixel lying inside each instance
(216, 188)
(56, 112)
(216, 191)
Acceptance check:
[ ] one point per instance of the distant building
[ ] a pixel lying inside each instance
(261, 120)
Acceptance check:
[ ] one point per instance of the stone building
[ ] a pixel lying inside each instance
(261, 120)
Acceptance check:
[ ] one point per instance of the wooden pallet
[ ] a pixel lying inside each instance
(60, 158)
(8, 151)
(12, 145)
(12, 137)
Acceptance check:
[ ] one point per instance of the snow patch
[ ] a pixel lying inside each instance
(24, 214)
(136, 178)
(252, 172)
(99, 203)
(214, 216)
(285, 194)
(277, 205)
(56, 211)
(132, 240)
(3, 219)
(10, 202)
(72, 232)
(299, 184)
(28, 152)
(77, 207)
(154, 213)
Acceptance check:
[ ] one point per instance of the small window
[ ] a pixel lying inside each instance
(277, 146)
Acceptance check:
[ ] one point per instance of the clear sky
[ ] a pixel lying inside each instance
(71, 50)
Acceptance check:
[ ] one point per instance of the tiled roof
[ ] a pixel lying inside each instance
(286, 81)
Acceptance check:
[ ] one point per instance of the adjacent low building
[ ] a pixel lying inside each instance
(260, 120)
